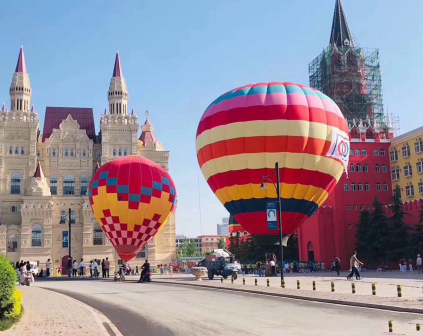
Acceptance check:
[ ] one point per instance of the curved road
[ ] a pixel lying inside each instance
(162, 310)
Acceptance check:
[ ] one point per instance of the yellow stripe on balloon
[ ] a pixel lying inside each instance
(287, 160)
(297, 128)
(249, 191)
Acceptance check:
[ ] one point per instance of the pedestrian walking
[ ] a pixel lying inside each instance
(354, 263)
(91, 269)
(337, 264)
(400, 265)
(170, 269)
(48, 266)
(82, 267)
(419, 263)
(107, 267)
(74, 268)
(273, 267)
(103, 268)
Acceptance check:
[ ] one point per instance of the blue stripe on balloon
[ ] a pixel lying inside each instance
(309, 92)
(293, 89)
(276, 89)
(243, 206)
(262, 89)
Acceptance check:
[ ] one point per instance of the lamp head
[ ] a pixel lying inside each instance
(263, 186)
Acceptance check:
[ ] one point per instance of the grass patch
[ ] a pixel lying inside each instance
(7, 322)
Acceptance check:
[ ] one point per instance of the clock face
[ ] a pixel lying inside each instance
(346, 42)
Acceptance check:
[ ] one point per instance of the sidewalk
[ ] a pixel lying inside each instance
(386, 297)
(50, 313)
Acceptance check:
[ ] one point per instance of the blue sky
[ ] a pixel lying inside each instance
(178, 56)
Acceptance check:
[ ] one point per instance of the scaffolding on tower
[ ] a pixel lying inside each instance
(351, 77)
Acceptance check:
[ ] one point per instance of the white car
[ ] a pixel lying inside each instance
(34, 267)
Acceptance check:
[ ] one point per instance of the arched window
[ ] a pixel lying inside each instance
(84, 185)
(120, 151)
(114, 152)
(12, 244)
(364, 152)
(72, 152)
(69, 185)
(84, 153)
(66, 152)
(22, 150)
(10, 150)
(15, 184)
(125, 152)
(63, 217)
(53, 184)
(97, 235)
(99, 153)
(53, 152)
(38, 152)
(37, 235)
(16, 150)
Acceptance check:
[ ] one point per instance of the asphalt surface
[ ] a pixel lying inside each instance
(162, 310)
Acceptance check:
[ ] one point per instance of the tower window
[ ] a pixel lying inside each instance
(66, 152)
(125, 152)
(38, 153)
(22, 150)
(84, 185)
(69, 185)
(53, 184)
(53, 152)
(15, 184)
(72, 152)
(16, 150)
(114, 152)
(120, 151)
(10, 150)
(84, 153)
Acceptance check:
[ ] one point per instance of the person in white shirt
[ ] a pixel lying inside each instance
(95, 266)
(419, 263)
(74, 268)
(48, 266)
(82, 266)
(273, 266)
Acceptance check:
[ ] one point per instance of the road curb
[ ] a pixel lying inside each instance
(305, 298)
(100, 318)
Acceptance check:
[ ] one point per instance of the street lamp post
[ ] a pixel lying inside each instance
(70, 236)
(278, 192)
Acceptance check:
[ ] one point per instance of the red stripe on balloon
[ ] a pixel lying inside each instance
(263, 144)
(272, 112)
(288, 176)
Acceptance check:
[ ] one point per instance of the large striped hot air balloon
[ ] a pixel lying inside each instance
(244, 132)
(132, 199)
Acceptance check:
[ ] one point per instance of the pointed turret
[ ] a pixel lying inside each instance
(118, 93)
(21, 65)
(20, 89)
(132, 112)
(39, 172)
(32, 109)
(105, 111)
(4, 108)
(117, 70)
(340, 34)
(147, 135)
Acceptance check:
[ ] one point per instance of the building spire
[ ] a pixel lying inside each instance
(340, 35)
(117, 71)
(39, 172)
(147, 135)
(3, 108)
(21, 65)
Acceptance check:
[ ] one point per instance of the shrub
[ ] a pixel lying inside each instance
(8, 278)
(17, 297)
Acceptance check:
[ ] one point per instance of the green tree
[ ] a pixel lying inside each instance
(222, 243)
(397, 231)
(372, 234)
(416, 237)
(189, 249)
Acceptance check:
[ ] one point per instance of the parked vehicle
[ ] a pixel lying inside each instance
(221, 263)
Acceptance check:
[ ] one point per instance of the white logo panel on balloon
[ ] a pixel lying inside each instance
(340, 148)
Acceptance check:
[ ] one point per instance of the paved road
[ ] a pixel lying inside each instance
(154, 309)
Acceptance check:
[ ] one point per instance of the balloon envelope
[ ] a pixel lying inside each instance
(132, 198)
(244, 132)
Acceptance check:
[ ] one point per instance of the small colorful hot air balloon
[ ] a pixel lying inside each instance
(132, 199)
(244, 132)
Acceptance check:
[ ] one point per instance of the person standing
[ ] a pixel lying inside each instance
(74, 268)
(48, 266)
(337, 264)
(410, 265)
(95, 267)
(273, 267)
(69, 266)
(103, 268)
(170, 269)
(419, 263)
(354, 263)
(91, 269)
(82, 267)
(107, 268)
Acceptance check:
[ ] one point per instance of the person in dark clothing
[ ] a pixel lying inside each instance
(145, 268)
(103, 268)
(354, 263)
(28, 266)
(17, 265)
(337, 264)
(69, 266)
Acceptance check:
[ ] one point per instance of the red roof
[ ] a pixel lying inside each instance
(39, 172)
(55, 116)
(21, 65)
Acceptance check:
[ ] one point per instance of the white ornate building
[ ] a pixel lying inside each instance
(42, 175)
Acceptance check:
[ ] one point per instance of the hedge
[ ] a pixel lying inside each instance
(17, 297)
(8, 279)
